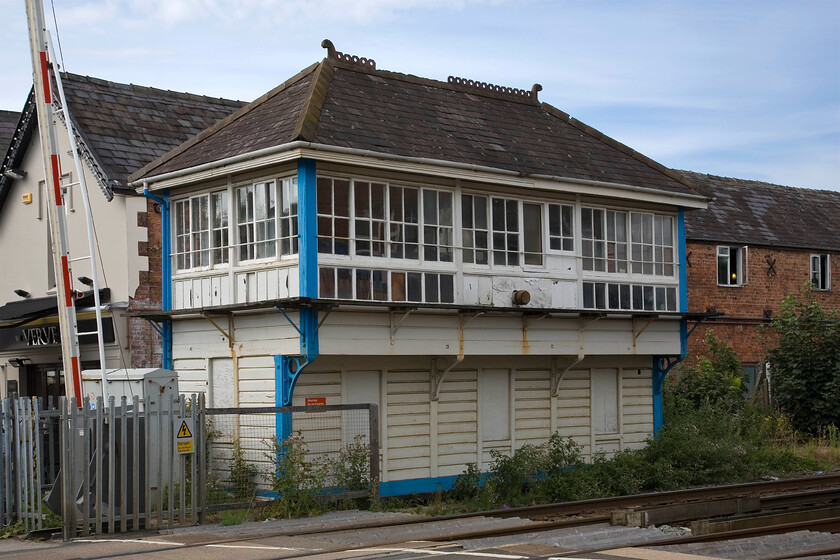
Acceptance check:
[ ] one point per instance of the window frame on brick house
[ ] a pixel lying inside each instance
(820, 271)
(736, 276)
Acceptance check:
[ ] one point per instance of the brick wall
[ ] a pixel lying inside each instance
(772, 274)
(144, 342)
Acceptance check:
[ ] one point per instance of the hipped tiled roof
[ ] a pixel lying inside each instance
(341, 103)
(756, 213)
(121, 127)
(126, 126)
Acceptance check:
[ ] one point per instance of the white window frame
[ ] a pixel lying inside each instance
(557, 233)
(256, 232)
(736, 273)
(194, 244)
(475, 236)
(821, 271)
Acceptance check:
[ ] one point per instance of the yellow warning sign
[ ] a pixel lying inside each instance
(185, 446)
(183, 428)
(184, 431)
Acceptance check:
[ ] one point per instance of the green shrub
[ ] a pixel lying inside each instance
(243, 475)
(715, 380)
(805, 367)
(296, 480)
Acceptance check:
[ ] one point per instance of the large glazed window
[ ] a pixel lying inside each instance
(193, 231)
(652, 244)
(404, 216)
(561, 227)
(604, 240)
(437, 225)
(256, 212)
(505, 214)
(219, 223)
(475, 231)
(333, 216)
(288, 216)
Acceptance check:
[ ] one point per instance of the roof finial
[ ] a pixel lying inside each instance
(335, 55)
(327, 44)
(534, 89)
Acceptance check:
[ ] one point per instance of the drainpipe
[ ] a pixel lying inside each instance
(663, 364)
(287, 369)
(166, 270)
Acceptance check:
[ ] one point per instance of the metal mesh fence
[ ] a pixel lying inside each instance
(332, 451)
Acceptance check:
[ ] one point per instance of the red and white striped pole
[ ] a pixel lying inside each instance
(57, 215)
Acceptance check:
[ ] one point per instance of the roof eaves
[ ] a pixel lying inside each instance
(17, 149)
(150, 167)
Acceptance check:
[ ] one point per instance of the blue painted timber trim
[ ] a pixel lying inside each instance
(287, 369)
(683, 260)
(166, 272)
(416, 486)
(307, 228)
(663, 364)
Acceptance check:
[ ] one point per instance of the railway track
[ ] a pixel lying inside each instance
(784, 495)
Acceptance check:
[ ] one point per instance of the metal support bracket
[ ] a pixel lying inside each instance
(396, 327)
(227, 334)
(637, 334)
(154, 325)
(559, 368)
(662, 366)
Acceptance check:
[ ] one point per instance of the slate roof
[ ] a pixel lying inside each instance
(8, 123)
(342, 103)
(757, 213)
(121, 127)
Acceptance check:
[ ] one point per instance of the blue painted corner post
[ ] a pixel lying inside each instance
(663, 364)
(165, 273)
(287, 369)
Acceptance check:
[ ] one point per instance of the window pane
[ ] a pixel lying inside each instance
(415, 286)
(326, 283)
(398, 286)
(345, 283)
(447, 288)
(363, 287)
(532, 215)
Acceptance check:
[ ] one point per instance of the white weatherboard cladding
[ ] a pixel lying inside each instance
(203, 289)
(422, 437)
(356, 332)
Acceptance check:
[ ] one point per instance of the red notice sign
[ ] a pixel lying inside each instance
(316, 401)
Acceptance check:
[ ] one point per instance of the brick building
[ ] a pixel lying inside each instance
(755, 244)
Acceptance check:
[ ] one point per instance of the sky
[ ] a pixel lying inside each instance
(740, 88)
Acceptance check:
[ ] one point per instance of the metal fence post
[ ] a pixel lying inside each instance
(374, 450)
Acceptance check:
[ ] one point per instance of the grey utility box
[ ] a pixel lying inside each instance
(150, 384)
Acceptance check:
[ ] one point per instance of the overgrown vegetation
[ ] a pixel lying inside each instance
(805, 367)
(303, 485)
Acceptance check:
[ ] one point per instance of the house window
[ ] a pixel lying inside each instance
(532, 233)
(288, 216)
(333, 216)
(608, 295)
(219, 226)
(201, 231)
(475, 229)
(384, 285)
(369, 206)
(820, 272)
(561, 227)
(505, 231)
(256, 212)
(604, 240)
(437, 225)
(652, 244)
(731, 266)
(404, 215)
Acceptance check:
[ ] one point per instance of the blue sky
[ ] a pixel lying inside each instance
(747, 89)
